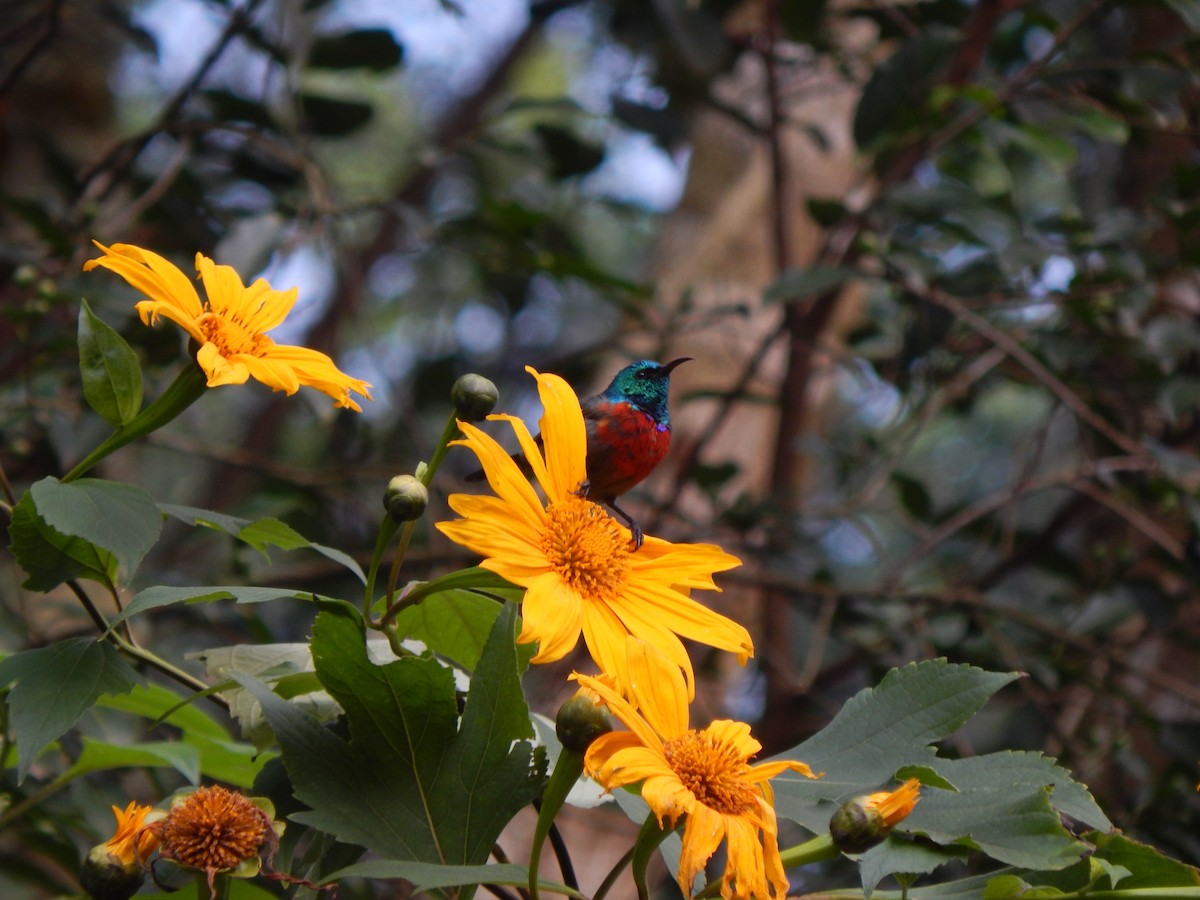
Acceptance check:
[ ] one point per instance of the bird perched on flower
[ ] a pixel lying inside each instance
(628, 434)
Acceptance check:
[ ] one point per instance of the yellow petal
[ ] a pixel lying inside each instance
(701, 835)
(502, 474)
(220, 370)
(659, 687)
(157, 278)
(552, 614)
(648, 606)
(563, 434)
(624, 711)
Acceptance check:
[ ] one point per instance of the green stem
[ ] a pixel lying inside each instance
(188, 386)
(611, 878)
(406, 534)
(649, 837)
(387, 530)
(816, 849)
(566, 772)
(172, 671)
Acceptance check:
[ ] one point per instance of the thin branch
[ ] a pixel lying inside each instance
(1012, 347)
(52, 17)
(115, 164)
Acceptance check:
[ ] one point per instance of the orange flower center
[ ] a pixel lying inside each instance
(714, 771)
(213, 829)
(586, 548)
(231, 336)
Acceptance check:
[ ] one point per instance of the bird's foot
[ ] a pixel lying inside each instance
(635, 530)
(582, 490)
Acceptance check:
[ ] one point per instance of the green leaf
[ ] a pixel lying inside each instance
(50, 557)
(98, 756)
(413, 782)
(454, 624)
(1148, 867)
(56, 685)
(260, 534)
(112, 379)
(801, 284)
(1008, 887)
(430, 877)
(899, 855)
(880, 730)
(1006, 804)
(221, 758)
(364, 48)
(120, 518)
(161, 595)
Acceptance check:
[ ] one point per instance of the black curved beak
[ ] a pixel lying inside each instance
(673, 363)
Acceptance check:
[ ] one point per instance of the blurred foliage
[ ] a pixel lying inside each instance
(993, 458)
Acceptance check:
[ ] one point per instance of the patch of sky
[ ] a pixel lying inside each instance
(391, 276)
(480, 330)
(871, 402)
(540, 321)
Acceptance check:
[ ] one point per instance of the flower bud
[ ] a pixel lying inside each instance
(104, 877)
(862, 822)
(580, 721)
(473, 397)
(405, 498)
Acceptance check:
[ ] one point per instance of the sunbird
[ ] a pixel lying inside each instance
(628, 434)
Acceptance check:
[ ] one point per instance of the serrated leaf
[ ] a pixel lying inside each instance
(1147, 867)
(795, 285)
(56, 685)
(879, 731)
(413, 782)
(50, 557)
(899, 855)
(120, 518)
(112, 378)
(1002, 802)
(364, 48)
(260, 534)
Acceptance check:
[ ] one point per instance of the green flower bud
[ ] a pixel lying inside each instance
(580, 721)
(104, 877)
(406, 498)
(862, 822)
(473, 397)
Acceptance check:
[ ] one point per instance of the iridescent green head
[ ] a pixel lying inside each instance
(644, 384)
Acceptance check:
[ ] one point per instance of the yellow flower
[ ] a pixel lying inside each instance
(574, 560)
(132, 842)
(231, 327)
(703, 774)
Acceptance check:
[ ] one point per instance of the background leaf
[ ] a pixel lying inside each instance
(120, 518)
(260, 534)
(112, 378)
(50, 557)
(56, 685)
